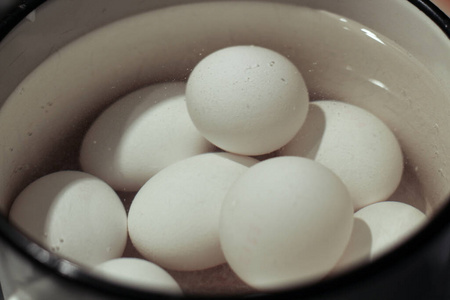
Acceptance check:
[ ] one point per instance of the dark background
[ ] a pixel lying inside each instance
(5, 5)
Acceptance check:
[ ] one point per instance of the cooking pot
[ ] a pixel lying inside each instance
(35, 142)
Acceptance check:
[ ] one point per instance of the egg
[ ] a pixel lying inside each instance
(138, 273)
(247, 99)
(379, 228)
(73, 214)
(285, 222)
(174, 219)
(141, 134)
(354, 144)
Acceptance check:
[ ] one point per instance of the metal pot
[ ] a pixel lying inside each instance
(33, 31)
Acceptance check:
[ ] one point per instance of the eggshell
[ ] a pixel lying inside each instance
(138, 273)
(355, 145)
(246, 99)
(379, 228)
(174, 218)
(285, 222)
(73, 214)
(141, 134)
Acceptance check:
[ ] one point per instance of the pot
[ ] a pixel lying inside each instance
(43, 56)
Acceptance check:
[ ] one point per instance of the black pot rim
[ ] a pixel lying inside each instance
(71, 273)
(434, 13)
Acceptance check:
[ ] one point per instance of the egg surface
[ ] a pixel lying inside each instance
(174, 219)
(73, 214)
(138, 273)
(246, 99)
(379, 228)
(284, 222)
(355, 145)
(139, 135)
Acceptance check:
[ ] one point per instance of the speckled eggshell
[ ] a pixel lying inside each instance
(139, 135)
(354, 144)
(174, 219)
(73, 214)
(247, 100)
(379, 228)
(285, 222)
(138, 273)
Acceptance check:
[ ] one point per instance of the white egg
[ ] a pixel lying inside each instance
(379, 228)
(354, 144)
(141, 134)
(284, 222)
(138, 273)
(174, 218)
(247, 100)
(73, 214)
